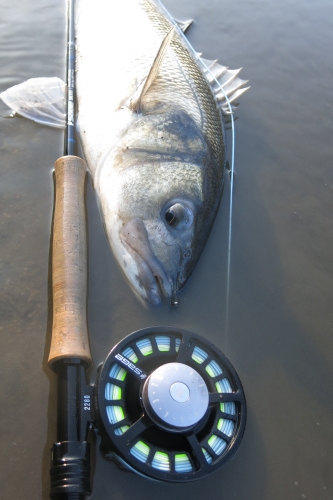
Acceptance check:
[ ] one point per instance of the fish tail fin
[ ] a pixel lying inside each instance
(39, 99)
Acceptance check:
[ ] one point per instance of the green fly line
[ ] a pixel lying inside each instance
(199, 355)
(117, 372)
(145, 346)
(130, 354)
(163, 343)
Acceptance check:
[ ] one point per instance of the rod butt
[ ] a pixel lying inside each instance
(70, 471)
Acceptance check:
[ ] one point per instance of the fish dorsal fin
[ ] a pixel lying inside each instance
(184, 25)
(135, 104)
(224, 83)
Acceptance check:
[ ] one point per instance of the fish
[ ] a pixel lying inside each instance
(150, 119)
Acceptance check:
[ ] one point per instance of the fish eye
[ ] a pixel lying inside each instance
(170, 217)
(179, 216)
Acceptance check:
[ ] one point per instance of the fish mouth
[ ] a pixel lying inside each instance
(151, 275)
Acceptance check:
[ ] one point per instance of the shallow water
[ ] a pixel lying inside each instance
(279, 331)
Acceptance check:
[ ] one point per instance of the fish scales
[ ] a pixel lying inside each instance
(211, 117)
(158, 159)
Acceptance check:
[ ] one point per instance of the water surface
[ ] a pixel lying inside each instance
(279, 333)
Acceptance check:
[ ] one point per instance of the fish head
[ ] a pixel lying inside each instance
(159, 192)
(156, 225)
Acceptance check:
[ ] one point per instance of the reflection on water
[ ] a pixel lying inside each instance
(281, 268)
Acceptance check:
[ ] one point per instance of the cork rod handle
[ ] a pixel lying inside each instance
(69, 264)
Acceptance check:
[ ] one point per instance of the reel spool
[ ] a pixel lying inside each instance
(171, 406)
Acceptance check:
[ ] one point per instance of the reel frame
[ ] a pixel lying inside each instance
(134, 441)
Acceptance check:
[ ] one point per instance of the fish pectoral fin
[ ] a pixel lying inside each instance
(184, 25)
(39, 99)
(136, 100)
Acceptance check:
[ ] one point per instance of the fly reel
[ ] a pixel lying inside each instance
(171, 406)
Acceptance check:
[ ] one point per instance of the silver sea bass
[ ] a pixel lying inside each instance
(152, 134)
(151, 128)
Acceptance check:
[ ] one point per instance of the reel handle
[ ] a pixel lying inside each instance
(69, 264)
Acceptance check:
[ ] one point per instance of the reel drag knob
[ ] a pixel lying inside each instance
(175, 397)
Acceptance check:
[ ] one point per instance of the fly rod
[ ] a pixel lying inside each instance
(69, 352)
